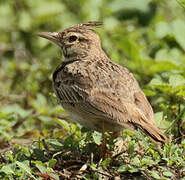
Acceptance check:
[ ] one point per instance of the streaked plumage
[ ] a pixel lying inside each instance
(93, 89)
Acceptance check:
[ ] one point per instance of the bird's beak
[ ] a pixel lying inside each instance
(52, 36)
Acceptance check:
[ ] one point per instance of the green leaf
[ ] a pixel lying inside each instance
(167, 173)
(158, 118)
(5, 14)
(64, 124)
(97, 137)
(56, 144)
(173, 56)
(8, 169)
(141, 5)
(25, 168)
(176, 29)
(161, 66)
(41, 168)
(155, 82)
(149, 92)
(10, 156)
(25, 21)
(162, 29)
(136, 161)
(179, 32)
(122, 168)
(129, 47)
(131, 147)
(40, 104)
(133, 169)
(52, 162)
(155, 175)
(176, 80)
(42, 9)
(147, 161)
(125, 168)
(45, 119)
(15, 108)
(182, 3)
(106, 162)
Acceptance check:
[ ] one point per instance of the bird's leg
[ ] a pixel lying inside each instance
(103, 141)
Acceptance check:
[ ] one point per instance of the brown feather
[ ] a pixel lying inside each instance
(93, 89)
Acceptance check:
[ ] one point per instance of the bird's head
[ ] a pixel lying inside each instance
(77, 41)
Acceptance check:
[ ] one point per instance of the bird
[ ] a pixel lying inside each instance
(96, 92)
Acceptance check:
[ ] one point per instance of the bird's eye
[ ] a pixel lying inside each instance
(72, 38)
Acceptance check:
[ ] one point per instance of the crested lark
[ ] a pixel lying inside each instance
(96, 92)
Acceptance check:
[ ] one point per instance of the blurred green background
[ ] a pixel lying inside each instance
(146, 36)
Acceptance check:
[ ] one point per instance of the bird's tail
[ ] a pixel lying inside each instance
(156, 135)
(148, 126)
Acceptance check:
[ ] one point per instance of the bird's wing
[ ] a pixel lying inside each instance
(108, 105)
(69, 93)
(127, 114)
(142, 103)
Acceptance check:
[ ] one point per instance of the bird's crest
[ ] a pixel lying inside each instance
(92, 24)
(87, 25)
